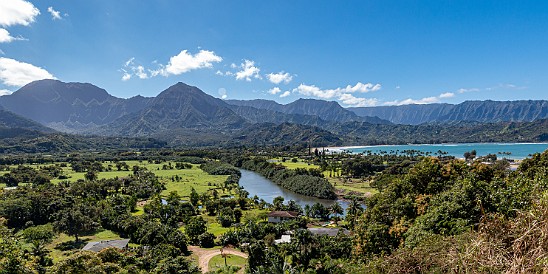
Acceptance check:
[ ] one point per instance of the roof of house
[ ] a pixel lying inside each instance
(98, 246)
(286, 214)
(283, 239)
(327, 231)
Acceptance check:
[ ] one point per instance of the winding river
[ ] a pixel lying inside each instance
(267, 190)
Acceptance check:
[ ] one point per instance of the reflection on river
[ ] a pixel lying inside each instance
(267, 190)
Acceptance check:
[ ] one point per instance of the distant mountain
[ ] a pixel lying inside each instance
(326, 110)
(9, 119)
(255, 115)
(481, 111)
(69, 106)
(406, 114)
(285, 134)
(178, 107)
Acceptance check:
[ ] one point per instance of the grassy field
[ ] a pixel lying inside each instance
(289, 164)
(188, 178)
(219, 262)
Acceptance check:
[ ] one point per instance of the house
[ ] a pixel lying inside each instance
(282, 216)
(331, 232)
(98, 246)
(283, 239)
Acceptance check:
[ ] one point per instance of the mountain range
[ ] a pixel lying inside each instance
(480, 111)
(185, 115)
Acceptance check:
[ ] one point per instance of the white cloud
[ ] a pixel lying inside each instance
(5, 36)
(55, 15)
(344, 95)
(398, 87)
(222, 93)
(185, 62)
(426, 100)
(279, 77)
(333, 93)
(5, 92)
(15, 73)
(248, 71)
(178, 64)
(17, 12)
(274, 90)
(126, 76)
(447, 95)
(285, 94)
(464, 90)
(349, 99)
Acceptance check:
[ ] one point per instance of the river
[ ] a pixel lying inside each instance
(516, 151)
(267, 190)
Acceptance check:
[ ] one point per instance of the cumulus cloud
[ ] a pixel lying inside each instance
(311, 90)
(351, 100)
(15, 73)
(342, 94)
(185, 62)
(274, 90)
(279, 77)
(247, 71)
(17, 12)
(55, 15)
(178, 64)
(5, 92)
(285, 94)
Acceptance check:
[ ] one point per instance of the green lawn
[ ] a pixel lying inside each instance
(289, 164)
(232, 260)
(355, 185)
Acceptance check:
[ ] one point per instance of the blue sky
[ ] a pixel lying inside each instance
(359, 53)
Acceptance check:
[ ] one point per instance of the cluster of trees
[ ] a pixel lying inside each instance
(25, 174)
(34, 213)
(446, 208)
(309, 182)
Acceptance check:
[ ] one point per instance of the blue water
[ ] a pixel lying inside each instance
(515, 151)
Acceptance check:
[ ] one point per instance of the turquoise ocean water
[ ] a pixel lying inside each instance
(502, 150)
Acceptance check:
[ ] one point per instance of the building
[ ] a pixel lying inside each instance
(282, 216)
(98, 246)
(331, 232)
(283, 239)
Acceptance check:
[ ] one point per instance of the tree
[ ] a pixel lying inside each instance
(278, 203)
(206, 240)
(195, 227)
(194, 197)
(226, 216)
(336, 209)
(76, 221)
(39, 236)
(90, 175)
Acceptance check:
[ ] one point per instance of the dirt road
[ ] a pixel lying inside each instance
(205, 255)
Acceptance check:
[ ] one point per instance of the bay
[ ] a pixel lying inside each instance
(516, 151)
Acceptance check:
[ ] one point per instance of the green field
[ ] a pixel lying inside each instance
(231, 260)
(291, 165)
(188, 178)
